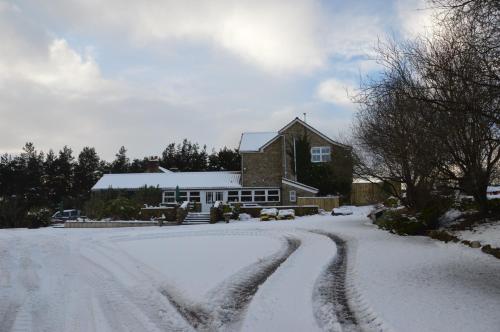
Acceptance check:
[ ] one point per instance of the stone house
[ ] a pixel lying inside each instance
(266, 159)
(267, 175)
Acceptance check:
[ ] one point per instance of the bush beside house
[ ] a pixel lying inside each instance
(121, 204)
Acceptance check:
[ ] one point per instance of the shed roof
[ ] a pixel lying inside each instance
(252, 142)
(185, 180)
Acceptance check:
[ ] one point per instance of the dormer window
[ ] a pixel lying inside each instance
(320, 154)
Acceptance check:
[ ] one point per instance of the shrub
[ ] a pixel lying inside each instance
(95, 208)
(150, 196)
(431, 213)
(490, 250)
(443, 236)
(38, 217)
(494, 206)
(398, 222)
(122, 208)
(12, 214)
(391, 202)
(465, 204)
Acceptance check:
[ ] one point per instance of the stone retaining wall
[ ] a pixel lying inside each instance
(108, 224)
(305, 210)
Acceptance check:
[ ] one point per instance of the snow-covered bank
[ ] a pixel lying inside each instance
(487, 233)
(113, 279)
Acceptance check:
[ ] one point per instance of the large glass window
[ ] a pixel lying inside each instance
(183, 196)
(246, 196)
(194, 196)
(209, 197)
(169, 197)
(259, 195)
(233, 196)
(273, 195)
(320, 154)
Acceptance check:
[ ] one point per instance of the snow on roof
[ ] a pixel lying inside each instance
(493, 189)
(164, 170)
(185, 180)
(252, 142)
(367, 179)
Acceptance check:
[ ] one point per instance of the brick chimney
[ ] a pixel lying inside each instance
(153, 164)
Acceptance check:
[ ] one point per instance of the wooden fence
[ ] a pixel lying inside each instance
(370, 193)
(325, 203)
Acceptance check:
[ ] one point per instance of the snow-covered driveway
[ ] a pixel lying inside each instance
(247, 276)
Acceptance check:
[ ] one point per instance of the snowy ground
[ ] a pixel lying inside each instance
(313, 273)
(488, 233)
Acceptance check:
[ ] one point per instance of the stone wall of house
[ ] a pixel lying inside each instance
(285, 194)
(263, 169)
(297, 130)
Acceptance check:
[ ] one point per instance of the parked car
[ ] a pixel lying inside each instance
(62, 216)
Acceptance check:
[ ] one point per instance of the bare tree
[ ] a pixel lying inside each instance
(391, 134)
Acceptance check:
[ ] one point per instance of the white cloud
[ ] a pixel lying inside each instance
(54, 91)
(274, 35)
(415, 16)
(335, 92)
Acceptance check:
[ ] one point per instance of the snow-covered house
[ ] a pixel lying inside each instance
(267, 175)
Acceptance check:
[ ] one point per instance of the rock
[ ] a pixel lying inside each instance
(376, 213)
(475, 244)
(487, 249)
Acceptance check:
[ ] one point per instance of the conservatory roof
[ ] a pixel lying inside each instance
(185, 180)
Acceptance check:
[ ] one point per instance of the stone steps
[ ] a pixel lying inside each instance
(197, 217)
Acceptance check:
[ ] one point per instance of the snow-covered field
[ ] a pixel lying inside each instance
(313, 273)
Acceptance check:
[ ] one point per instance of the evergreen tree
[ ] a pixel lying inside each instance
(168, 157)
(32, 170)
(86, 174)
(138, 166)
(121, 164)
(185, 157)
(49, 180)
(63, 180)
(224, 160)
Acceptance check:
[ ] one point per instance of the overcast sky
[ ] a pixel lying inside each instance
(146, 73)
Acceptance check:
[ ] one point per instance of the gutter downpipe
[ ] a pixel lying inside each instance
(284, 155)
(294, 159)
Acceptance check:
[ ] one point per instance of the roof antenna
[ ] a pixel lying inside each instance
(305, 117)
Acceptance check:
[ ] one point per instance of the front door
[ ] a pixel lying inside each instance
(210, 198)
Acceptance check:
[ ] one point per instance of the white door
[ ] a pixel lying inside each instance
(210, 197)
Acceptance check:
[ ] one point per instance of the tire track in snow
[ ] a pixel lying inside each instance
(230, 299)
(333, 311)
(8, 317)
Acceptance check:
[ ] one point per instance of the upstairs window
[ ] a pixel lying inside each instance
(320, 154)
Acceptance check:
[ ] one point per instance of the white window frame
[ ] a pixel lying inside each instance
(293, 196)
(169, 197)
(319, 155)
(230, 198)
(194, 196)
(273, 195)
(251, 194)
(246, 196)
